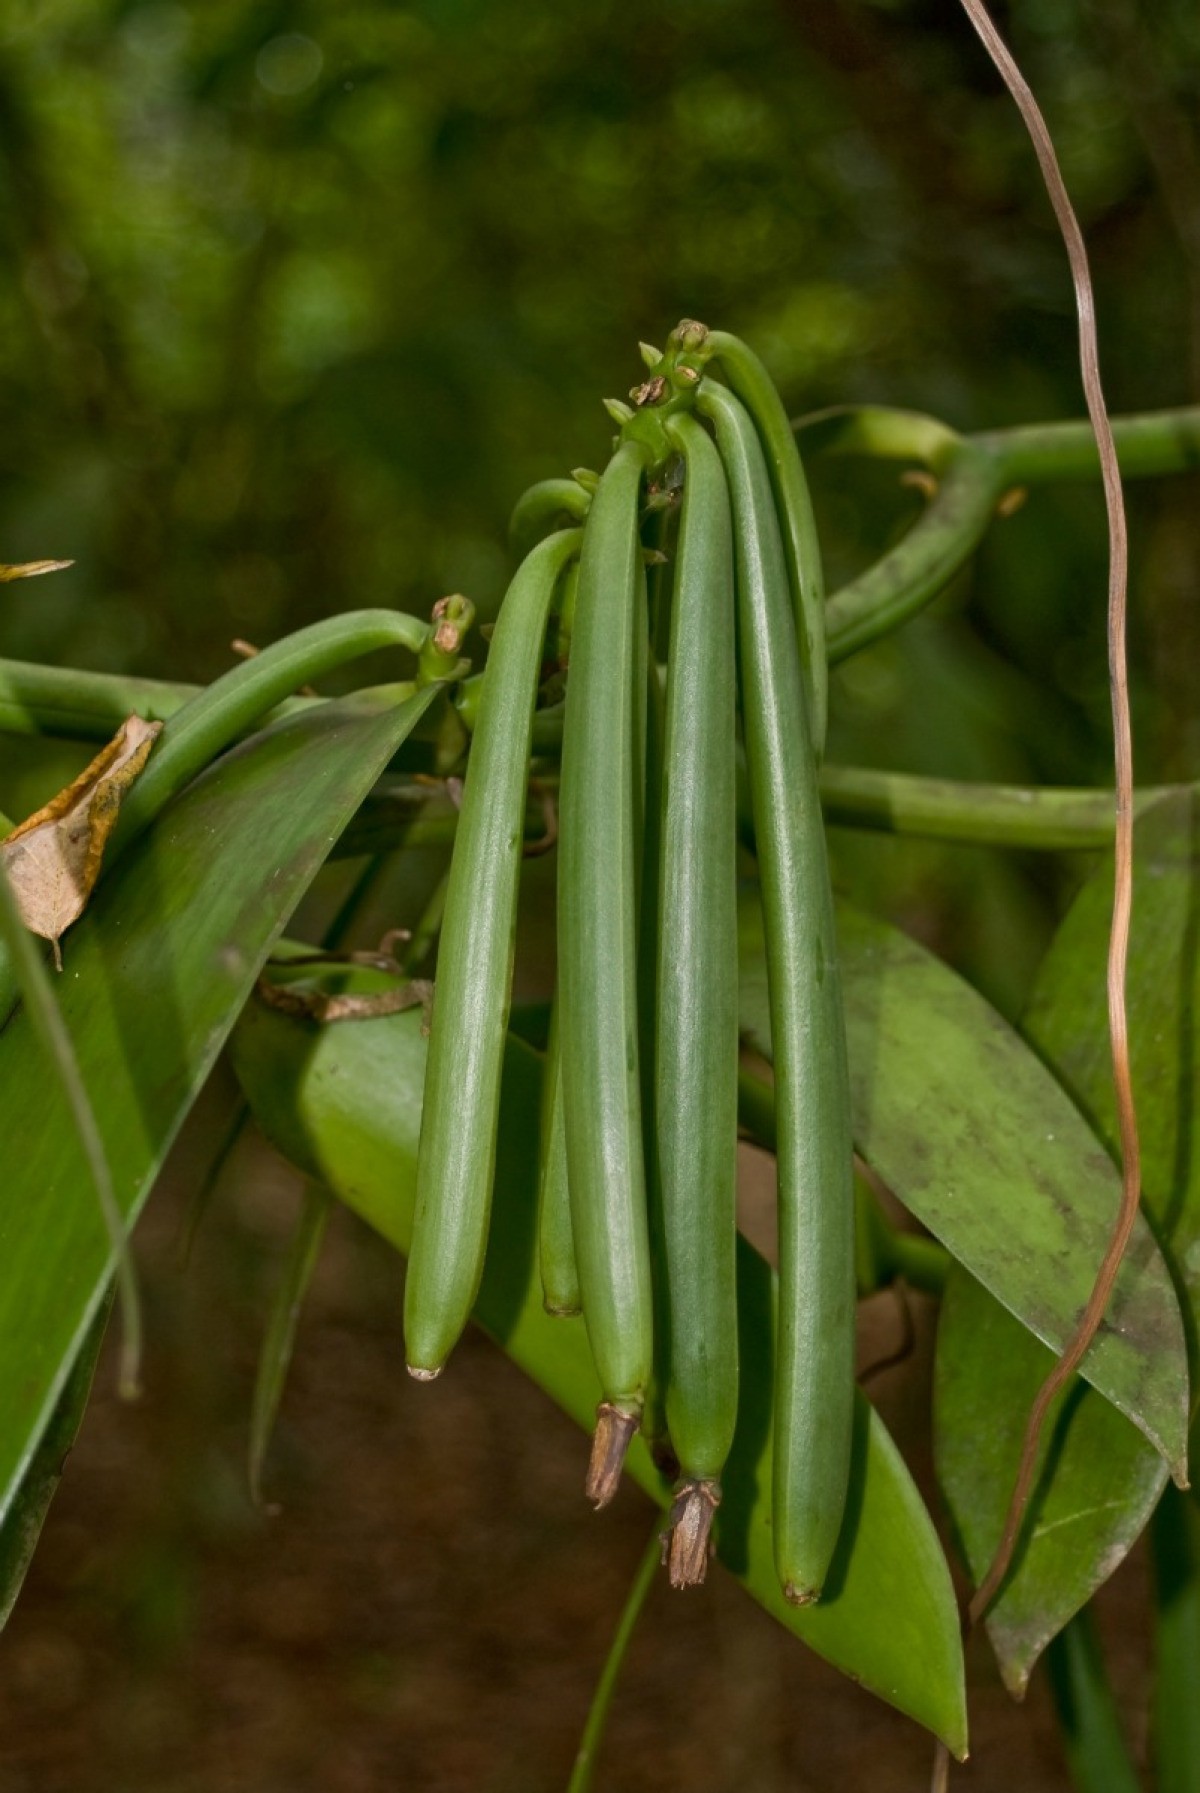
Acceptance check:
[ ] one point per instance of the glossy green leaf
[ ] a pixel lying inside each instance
(961, 1119)
(1097, 1483)
(155, 974)
(344, 1103)
(1100, 1483)
(26, 1515)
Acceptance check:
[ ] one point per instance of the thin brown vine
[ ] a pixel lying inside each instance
(1097, 1303)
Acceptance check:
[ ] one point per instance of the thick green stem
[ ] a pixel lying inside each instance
(1148, 446)
(551, 504)
(920, 566)
(238, 701)
(1050, 818)
(974, 472)
(880, 433)
(82, 706)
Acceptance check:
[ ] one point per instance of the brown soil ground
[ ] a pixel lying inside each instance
(431, 1603)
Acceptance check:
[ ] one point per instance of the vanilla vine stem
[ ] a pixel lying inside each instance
(90, 706)
(971, 480)
(400, 812)
(971, 475)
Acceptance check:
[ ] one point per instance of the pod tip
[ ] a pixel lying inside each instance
(689, 1524)
(610, 1441)
(421, 1375)
(799, 1596)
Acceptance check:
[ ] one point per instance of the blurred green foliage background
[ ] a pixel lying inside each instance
(296, 299)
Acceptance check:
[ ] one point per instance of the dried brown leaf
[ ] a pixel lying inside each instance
(328, 1006)
(31, 569)
(53, 859)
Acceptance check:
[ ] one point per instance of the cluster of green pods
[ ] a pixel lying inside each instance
(685, 606)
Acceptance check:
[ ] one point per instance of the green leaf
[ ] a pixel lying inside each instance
(155, 974)
(1089, 1723)
(1097, 1483)
(1175, 1713)
(1067, 1018)
(344, 1103)
(300, 1261)
(26, 1515)
(964, 1123)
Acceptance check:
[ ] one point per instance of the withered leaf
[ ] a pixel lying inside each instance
(327, 1006)
(53, 858)
(30, 569)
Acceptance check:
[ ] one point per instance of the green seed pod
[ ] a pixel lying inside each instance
(696, 1058)
(754, 386)
(814, 1390)
(598, 1020)
(474, 978)
(556, 1240)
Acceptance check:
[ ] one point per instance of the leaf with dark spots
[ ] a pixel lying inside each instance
(1101, 1483)
(963, 1122)
(1098, 1480)
(1066, 1018)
